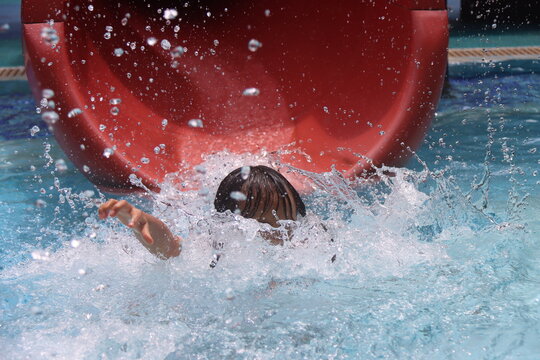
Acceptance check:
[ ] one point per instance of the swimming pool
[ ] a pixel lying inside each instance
(439, 261)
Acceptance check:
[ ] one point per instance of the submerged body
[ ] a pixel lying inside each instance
(256, 192)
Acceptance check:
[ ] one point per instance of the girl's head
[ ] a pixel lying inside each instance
(261, 193)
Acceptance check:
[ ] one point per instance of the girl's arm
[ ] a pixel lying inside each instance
(150, 231)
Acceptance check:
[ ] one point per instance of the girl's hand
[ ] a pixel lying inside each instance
(128, 215)
(150, 231)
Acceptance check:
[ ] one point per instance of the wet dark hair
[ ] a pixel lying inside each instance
(263, 188)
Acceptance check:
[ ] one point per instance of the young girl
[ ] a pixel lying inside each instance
(261, 193)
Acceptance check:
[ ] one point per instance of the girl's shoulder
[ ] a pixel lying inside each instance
(312, 228)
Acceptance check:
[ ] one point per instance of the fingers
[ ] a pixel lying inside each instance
(119, 206)
(136, 217)
(128, 215)
(112, 207)
(104, 209)
(145, 232)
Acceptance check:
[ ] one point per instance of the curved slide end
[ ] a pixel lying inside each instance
(349, 84)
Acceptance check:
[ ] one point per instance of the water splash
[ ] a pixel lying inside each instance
(390, 250)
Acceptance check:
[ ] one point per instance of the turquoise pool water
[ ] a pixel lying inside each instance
(440, 261)
(485, 36)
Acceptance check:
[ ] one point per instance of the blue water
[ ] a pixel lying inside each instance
(440, 261)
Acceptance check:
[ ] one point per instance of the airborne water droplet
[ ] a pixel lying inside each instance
(101, 287)
(118, 52)
(238, 196)
(50, 36)
(145, 160)
(244, 172)
(200, 169)
(115, 111)
(47, 93)
(170, 14)
(229, 294)
(36, 310)
(108, 152)
(178, 51)
(151, 41)
(74, 112)
(165, 44)
(195, 123)
(115, 101)
(34, 130)
(60, 165)
(254, 45)
(50, 117)
(252, 91)
(204, 192)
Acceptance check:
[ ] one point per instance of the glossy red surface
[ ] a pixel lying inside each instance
(335, 79)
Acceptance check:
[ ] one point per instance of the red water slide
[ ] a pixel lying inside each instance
(135, 80)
